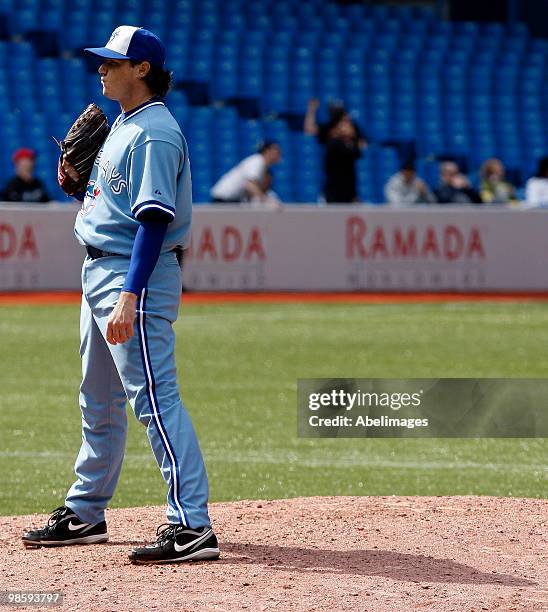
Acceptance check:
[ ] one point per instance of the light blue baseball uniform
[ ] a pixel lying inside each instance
(143, 165)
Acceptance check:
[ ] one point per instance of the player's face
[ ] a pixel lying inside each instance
(117, 77)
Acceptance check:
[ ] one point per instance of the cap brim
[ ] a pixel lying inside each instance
(107, 53)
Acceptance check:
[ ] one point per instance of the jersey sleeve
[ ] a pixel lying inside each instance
(153, 168)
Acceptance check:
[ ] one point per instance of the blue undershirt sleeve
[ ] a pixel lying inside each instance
(145, 253)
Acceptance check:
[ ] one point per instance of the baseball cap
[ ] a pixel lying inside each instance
(23, 154)
(129, 42)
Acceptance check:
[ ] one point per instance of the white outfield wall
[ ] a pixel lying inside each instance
(308, 248)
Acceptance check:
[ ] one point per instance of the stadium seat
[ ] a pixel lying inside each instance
(463, 88)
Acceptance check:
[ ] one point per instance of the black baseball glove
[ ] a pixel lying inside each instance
(80, 147)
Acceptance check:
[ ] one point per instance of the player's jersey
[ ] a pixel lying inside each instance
(143, 165)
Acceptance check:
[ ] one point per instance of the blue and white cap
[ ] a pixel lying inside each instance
(129, 42)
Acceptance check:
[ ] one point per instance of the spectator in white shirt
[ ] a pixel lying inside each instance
(244, 182)
(273, 199)
(536, 188)
(405, 188)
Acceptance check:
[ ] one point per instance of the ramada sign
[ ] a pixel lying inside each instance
(15, 243)
(446, 242)
(227, 243)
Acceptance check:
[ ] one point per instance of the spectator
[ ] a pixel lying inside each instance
(494, 189)
(245, 181)
(24, 186)
(343, 141)
(536, 188)
(273, 199)
(454, 187)
(405, 188)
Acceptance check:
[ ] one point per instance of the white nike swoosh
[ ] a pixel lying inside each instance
(73, 527)
(193, 543)
(66, 518)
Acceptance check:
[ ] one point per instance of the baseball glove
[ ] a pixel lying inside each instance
(80, 147)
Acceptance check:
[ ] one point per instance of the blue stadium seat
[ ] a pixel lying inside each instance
(51, 19)
(250, 85)
(514, 44)
(226, 52)
(255, 9)
(488, 45)
(285, 24)
(517, 29)
(363, 28)
(255, 39)
(275, 98)
(354, 12)
(334, 40)
(465, 88)
(24, 19)
(435, 47)
(156, 23)
(250, 66)
(177, 97)
(302, 71)
(407, 58)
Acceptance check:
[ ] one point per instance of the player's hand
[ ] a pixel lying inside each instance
(122, 318)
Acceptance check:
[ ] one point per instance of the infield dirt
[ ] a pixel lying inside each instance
(341, 553)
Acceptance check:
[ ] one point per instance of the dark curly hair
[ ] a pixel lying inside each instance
(157, 79)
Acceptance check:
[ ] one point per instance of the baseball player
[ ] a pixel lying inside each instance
(135, 215)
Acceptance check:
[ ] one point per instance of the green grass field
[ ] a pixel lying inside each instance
(238, 367)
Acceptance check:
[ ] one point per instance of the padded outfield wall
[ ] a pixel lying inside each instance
(308, 248)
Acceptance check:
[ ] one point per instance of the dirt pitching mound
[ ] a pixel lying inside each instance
(342, 553)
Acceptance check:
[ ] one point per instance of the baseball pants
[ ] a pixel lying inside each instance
(143, 371)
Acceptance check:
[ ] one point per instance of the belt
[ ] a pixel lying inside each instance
(95, 253)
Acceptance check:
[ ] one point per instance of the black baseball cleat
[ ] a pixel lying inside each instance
(177, 543)
(65, 528)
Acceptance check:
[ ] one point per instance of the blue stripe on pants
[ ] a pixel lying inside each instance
(153, 400)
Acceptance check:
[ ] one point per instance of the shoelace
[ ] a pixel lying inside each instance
(165, 534)
(55, 516)
(53, 519)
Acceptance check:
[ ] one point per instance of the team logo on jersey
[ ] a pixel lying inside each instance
(113, 177)
(98, 157)
(93, 191)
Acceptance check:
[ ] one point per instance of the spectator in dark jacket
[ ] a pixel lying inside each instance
(24, 186)
(343, 143)
(454, 187)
